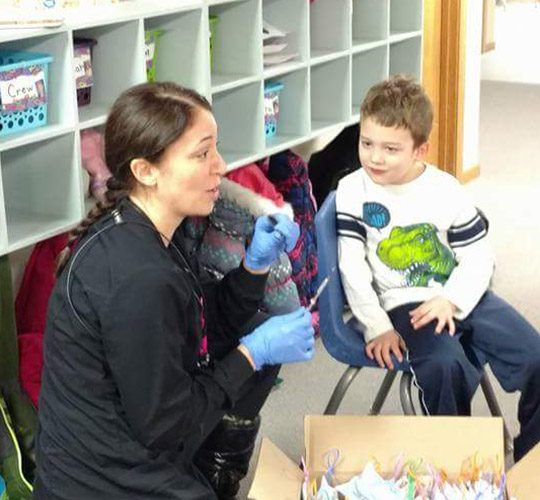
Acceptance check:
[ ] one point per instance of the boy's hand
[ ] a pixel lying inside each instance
(439, 309)
(382, 346)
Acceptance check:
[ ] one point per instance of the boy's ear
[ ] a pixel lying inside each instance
(422, 150)
(143, 171)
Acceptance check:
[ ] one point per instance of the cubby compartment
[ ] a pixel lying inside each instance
(60, 109)
(236, 41)
(41, 190)
(405, 16)
(294, 121)
(180, 51)
(329, 27)
(330, 93)
(369, 23)
(290, 17)
(239, 113)
(3, 224)
(117, 64)
(406, 57)
(368, 68)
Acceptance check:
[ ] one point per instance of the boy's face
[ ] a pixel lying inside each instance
(388, 154)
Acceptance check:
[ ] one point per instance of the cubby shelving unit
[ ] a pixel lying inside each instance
(342, 47)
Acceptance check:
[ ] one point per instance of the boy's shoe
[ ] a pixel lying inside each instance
(17, 487)
(277, 383)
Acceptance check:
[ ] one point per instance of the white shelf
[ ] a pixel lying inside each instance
(320, 56)
(35, 135)
(222, 82)
(369, 21)
(404, 35)
(290, 16)
(117, 63)
(343, 47)
(93, 114)
(330, 26)
(363, 45)
(368, 68)
(405, 15)
(41, 189)
(240, 117)
(280, 69)
(294, 111)
(237, 42)
(330, 93)
(181, 49)
(406, 57)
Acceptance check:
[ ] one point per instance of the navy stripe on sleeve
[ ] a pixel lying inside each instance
(467, 233)
(350, 226)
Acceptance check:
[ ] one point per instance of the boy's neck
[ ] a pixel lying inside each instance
(416, 170)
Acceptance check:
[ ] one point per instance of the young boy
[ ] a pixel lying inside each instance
(416, 266)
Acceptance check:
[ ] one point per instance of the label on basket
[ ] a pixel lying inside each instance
(22, 88)
(150, 48)
(82, 67)
(271, 106)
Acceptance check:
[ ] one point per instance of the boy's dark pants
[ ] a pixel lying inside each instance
(448, 369)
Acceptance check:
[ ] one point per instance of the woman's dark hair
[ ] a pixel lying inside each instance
(142, 123)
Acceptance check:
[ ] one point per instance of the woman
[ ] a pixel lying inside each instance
(146, 371)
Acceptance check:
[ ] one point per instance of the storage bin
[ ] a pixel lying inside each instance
(3, 494)
(23, 90)
(150, 52)
(82, 53)
(271, 107)
(213, 21)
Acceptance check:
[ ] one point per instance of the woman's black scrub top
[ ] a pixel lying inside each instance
(122, 393)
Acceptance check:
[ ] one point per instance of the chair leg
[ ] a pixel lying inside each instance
(405, 394)
(341, 388)
(495, 410)
(382, 393)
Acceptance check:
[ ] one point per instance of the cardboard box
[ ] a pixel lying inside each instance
(524, 477)
(443, 441)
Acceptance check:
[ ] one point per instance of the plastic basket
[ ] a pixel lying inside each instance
(82, 52)
(271, 107)
(213, 21)
(23, 94)
(151, 46)
(3, 494)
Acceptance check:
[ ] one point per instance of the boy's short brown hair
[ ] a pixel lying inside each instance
(400, 102)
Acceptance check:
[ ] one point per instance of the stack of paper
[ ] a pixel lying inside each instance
(274, 43)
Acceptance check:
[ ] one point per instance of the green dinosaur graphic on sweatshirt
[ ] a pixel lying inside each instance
(417, 252)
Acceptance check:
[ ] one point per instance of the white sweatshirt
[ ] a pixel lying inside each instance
(408, 243)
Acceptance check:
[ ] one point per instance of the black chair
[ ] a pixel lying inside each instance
(343, 340)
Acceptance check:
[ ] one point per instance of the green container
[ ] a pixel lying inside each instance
(150, 52)
(213, 26)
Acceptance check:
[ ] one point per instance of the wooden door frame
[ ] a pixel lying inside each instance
(452, 88)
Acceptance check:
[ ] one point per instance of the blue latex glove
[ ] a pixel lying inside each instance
(273, 235)
(281, 339)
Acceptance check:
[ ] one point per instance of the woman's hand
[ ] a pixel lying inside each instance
(281, 339)
(273, 235)
(381, 348)
(439, 309)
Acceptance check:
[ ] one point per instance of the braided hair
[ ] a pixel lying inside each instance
(143, 122)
